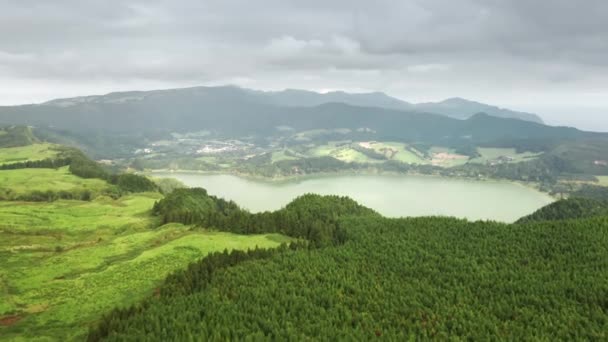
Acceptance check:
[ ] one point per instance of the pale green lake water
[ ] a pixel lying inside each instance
(392, 196)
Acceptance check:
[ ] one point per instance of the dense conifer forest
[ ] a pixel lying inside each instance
(418, 278)
(572, 208)
(310, 217)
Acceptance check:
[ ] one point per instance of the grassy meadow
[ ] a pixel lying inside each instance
(603, 180)
(22, 181)
(492, 154)
(345, 153)
(24, 153)
(65, 263)
(281, 155)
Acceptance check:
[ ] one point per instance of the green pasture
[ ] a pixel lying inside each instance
(492, 154)
(22, 181)
(24, 153)
(65, 263)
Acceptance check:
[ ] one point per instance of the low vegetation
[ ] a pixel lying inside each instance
(47, 184)
(34, 152)
(77, 241)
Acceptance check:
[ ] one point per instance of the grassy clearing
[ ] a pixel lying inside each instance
(350, 155)
(71, 217)
(23, 181)
(446, 157)
(24, 153)
(63, 264)
(321, 150)
(341, 152)
(398, 151)
(509, 155)
(280, 155)
(603, 180)
(208, 159)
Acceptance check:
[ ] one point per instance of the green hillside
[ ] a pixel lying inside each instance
(30, 152)
(21, 183)
(77, 241)
(232, 112)
(15, 136)
(399, 279)
(572, 208)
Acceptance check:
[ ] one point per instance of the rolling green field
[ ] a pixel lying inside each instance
(65, 263)
(280, 155)
(343, 153)
(24, 153)
(446, 157)
(603, 180)
(22, 181)
(346, 153)
(68, 217)
(349, 155)
(403, 154)
(509, 154)
(440, 156)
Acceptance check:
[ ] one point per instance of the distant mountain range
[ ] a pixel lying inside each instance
(457, 108)
(237, 112)
(113, 125)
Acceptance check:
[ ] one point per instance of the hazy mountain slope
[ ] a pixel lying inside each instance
(236, 112)
(16, 136)
(455, 107)
(304, 98)
(463, 109)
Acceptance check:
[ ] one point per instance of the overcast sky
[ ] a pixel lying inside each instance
(548, 57)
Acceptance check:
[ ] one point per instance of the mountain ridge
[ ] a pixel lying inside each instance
(455, 107)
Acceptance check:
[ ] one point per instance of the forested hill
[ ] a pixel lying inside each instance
(397, 279)
(572, 208)
(311, 217)
(454, 107)
(219, 110)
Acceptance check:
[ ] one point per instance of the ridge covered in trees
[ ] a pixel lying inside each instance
(411, 278)
(311, 217)
(572, 208)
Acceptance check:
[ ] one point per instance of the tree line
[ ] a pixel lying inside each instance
(398, 279)
(82, 166)
(310, 217)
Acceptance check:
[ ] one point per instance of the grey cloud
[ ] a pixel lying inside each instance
(434, 48)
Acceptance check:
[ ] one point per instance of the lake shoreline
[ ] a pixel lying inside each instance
(391, 194)
(295, 178)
